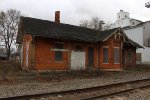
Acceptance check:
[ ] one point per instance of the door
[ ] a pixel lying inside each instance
(90, 57)
(127, 58)
(77, 60)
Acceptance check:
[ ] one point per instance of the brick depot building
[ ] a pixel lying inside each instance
(47, 45)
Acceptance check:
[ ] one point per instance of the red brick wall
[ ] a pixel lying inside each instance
(45, 57)
(110, 43)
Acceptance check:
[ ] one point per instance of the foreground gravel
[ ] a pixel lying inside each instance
(139, 94)
(35, 87)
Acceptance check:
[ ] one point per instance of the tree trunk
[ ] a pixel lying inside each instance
(8, 54)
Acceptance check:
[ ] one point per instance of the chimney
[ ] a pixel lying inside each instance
(121, 10)
(57, 17)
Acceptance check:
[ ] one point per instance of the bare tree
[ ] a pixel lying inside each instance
(9, 21)
(84, 23)
(93, 23)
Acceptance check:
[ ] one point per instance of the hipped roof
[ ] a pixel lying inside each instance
(45, 28)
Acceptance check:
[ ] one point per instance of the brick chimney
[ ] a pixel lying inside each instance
(57, 17)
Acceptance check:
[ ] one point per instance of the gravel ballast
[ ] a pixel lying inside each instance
(35, 87)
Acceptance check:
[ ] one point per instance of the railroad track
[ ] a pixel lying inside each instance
(89, 93)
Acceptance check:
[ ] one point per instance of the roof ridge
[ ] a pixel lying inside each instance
(57, 23)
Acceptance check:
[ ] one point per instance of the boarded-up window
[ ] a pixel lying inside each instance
(116, 55)
(105, 55)
(58, 54)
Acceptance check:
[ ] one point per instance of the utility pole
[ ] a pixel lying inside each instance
(147, 4)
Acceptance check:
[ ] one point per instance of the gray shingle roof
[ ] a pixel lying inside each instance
(135, 44)
(45, 28)
(104, 34)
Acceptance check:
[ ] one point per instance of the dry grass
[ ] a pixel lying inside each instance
(12, 70)
(9, 69)
(140, 67)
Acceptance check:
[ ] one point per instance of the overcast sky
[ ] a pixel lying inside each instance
(72, 11)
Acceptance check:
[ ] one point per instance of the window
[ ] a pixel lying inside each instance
(105, 55)
(132, 23)
(147, 42)
(78, 48)
(116, 55)
(58, 53)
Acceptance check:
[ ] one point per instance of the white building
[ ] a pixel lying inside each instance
(136, 30)
(123, 20)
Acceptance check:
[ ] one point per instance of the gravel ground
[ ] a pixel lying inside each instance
(138, 94)
(34, 87)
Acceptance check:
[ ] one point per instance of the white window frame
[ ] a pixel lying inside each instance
(55, 49)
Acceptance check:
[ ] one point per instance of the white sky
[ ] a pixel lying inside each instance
(72, 11)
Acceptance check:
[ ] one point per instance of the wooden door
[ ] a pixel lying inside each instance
(90, 57)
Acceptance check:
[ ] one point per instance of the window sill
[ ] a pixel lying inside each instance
(59, 61)
(116, 63)
(105, 63)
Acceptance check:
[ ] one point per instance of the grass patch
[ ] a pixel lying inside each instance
(140, 67)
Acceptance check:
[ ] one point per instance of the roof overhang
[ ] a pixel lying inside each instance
(128, 40)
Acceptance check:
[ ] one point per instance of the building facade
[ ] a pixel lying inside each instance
(123, 20)
(140, 34)
(138, 31)
(47, 45)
